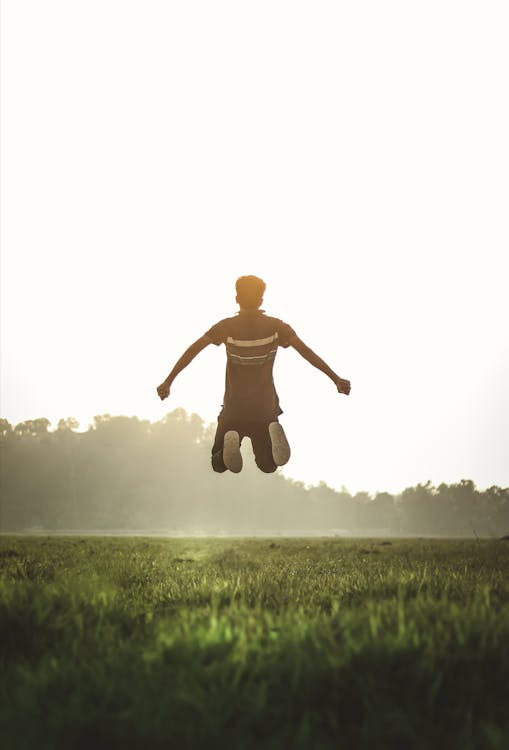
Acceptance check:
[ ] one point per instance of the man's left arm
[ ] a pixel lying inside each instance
(305, 351)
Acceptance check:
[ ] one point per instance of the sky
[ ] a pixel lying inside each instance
(353, 155)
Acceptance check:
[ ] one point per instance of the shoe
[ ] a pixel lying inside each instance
(280, 446)
(232, 456)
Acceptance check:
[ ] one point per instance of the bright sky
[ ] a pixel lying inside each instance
(354, 155)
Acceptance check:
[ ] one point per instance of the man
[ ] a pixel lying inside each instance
(251, 404)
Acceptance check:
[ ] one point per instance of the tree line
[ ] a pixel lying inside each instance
(130, 475)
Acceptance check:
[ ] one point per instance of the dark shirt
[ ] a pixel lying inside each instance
(252, 339)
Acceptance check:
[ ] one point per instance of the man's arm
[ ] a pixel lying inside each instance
(342, 385)
(163, 390)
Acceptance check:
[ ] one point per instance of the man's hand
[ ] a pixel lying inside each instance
(163, 390)
(343, 386)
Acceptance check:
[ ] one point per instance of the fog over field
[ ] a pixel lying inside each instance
(125, 475)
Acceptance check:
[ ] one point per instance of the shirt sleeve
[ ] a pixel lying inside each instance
(217, 334)
(285, 333)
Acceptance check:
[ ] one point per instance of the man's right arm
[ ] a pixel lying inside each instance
(341, 384)
(190, 353)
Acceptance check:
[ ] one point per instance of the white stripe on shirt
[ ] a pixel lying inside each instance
(255, 342)
(258, 356)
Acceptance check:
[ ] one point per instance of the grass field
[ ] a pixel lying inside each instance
(282, 643)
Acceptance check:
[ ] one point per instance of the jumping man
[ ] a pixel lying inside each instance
(251, 404)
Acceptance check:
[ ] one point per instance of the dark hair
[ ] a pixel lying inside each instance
(250, 291)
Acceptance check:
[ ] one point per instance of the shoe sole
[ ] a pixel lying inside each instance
(232, 456)
(280, 446)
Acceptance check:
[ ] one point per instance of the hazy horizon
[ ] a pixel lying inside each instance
(123, 474)
(246, 448)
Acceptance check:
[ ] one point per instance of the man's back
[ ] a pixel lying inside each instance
(251, 339)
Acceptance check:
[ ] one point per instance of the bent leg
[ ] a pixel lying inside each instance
(280, 446)
(225, 426)
(217, 449)
(262, 448)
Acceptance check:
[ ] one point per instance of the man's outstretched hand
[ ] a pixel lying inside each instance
(343, 386)
(163, 390)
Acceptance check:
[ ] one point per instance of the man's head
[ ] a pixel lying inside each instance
(250, 290)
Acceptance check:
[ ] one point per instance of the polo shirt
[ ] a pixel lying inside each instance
(252, 340)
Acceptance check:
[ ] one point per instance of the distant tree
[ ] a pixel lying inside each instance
(496, 511)
(33, 428)
(421, 511)
(361, 507)
(70, 424)
(6, 430)
(465, 506)
(382, 513)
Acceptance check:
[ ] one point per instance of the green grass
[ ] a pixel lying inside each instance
(180, 643)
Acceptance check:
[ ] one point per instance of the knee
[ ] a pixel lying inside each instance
(266, 467)
(218, 463)
(218, 470)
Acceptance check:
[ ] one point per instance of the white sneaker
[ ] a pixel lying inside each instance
(232, 456)
(280, 446)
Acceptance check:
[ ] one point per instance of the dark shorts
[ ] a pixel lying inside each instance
(258, 432)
